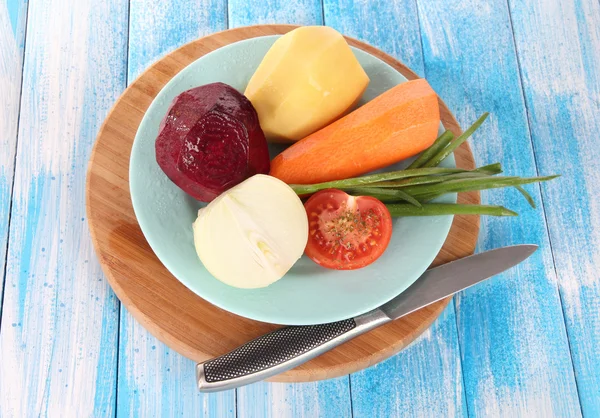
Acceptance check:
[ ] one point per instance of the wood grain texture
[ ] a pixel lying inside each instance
(438, 390)
(558, 46)
(515, 353)
(157, 381)
(424, 380)
(257, 12)
(329, 398)
(391, 26)
(154, 297)
(58, 343)
(13, 17)
(156, 28)
(153, 379)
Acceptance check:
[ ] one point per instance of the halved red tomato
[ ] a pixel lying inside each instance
(346, 232)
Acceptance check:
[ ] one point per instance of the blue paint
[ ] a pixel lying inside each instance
(157, 381)
(100, 96)
(45, 209)
(5, 197)
(329, 398)
(157, 28)
(30, 211)
(558, 45)
(423, 380)
(127, 401)
(14, 8)
(254, 12)
(106, 371)
(515, 352)
(397, 34)
(11, 74)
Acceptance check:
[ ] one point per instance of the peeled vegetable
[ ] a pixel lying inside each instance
(210, 140)
(308, 78)
(252, 234)
(396, 125)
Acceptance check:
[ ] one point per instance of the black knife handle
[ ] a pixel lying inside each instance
(279, 351)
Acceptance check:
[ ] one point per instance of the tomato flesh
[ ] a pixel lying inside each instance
(346, 232)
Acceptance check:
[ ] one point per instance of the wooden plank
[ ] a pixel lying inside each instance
(558, 45)
(13, 18)
(58, 345)
(390, 388)
(154, 380)
(255, 12)
(424, 380)
(397, 34)
(515, 353)
(328, 398)
(156, 28)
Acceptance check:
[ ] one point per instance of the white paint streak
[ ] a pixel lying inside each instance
(10, 87)
(57, 306)
(156, 381)
(433, 343)
(557, 74)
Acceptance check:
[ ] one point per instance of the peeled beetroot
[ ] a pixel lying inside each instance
(210, 140)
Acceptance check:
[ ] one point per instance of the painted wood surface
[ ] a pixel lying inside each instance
(533, 64)
(13, 18)
(154, 380)
(515, 353)
(58, 340)
(558, 46)
(438, 391)
(425, 380)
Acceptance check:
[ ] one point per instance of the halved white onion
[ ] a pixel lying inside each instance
(252, 234)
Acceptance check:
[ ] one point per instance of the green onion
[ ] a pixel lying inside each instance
(527, 196)
(302, 189)
(441, 156)
(437, 146)
(385, 195)
(467, 185)
(478, 173)
(436, 209)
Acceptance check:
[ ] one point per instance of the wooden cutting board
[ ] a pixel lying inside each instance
(181, 319)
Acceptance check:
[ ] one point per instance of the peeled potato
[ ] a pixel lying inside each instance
(308, 78)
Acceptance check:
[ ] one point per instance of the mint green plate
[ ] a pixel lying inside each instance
(308, 294)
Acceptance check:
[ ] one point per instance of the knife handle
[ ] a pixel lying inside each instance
(279, 351)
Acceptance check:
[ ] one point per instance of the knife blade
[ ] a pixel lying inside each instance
(288, 347)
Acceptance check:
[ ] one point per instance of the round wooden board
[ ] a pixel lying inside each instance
(182, 320)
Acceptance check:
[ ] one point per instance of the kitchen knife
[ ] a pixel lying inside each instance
(288, 347)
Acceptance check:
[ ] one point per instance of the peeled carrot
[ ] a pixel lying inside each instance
(394, 126)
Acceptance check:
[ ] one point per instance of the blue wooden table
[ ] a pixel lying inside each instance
(526, 343)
